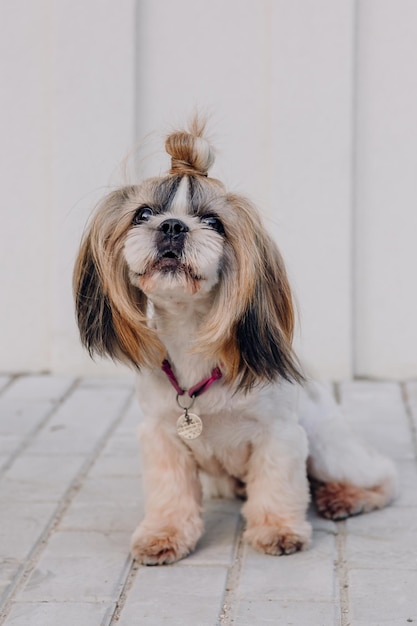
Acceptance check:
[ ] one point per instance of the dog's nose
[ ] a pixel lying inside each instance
(173, 227)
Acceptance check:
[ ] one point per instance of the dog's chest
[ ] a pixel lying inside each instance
(233, 462)
(225, 445)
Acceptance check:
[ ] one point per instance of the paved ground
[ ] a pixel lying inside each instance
(70, 497)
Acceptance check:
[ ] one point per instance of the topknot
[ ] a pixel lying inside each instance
(190, 152)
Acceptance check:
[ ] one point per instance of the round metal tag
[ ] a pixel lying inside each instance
(189, 426)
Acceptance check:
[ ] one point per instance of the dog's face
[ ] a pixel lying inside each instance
(183, 236)
(175, 246)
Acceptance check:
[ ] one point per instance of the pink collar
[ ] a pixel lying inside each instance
(195, 391)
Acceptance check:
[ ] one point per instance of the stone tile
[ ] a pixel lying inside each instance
(175, 595)
(81, 421)
(377, 413)
(221, 519)
(99, 383)
(392, 440)
(122, 445)
(116, 466)
(384, 539)
(364, 400)
(274, 612)
(106, 504)
(78, 567)
(411, 395)
(103, 517)
(21, 526)
(20, 416)
(9, 568)
(132, 418)
(39, 478)
(382, 596)
(386, 521)
(39, 387)
(4, 381)
(119, 490)
(57, 614)
(8, 445)
(84, 562)
(407, 478)
(381, 621)
(393, 553)
(304, 576)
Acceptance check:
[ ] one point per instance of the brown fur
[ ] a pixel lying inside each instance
(250, 327)
(254, 307)
(338, 501)
(220, 296)
(190, 152)
(111, 313)
(275, 539)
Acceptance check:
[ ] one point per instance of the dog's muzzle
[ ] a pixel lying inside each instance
(170, 241)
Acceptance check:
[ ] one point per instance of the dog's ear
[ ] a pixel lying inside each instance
(264, 332)
(252, 321)
(110, 311)
(92, 306)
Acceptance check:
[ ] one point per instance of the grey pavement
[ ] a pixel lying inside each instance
(70, 497)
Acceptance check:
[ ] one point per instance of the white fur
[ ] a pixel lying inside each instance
(208, 280)
(335, 454)
(255, 438)
(251, 438)
(180, 203)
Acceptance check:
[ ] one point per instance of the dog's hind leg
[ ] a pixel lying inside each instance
(347, 477)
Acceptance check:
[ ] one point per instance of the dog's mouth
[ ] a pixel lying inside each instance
(168, 261)
(170, 254)
(172, 262)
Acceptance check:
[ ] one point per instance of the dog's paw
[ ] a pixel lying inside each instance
(337, 501)
(159, 546)
(279, 538)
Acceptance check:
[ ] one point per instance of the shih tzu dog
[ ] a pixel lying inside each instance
(178, 278)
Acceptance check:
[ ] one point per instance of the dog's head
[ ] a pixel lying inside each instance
(183, 236)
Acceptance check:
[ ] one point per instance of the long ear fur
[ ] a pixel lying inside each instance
(93, 310)
(252, 322)
(111, 312)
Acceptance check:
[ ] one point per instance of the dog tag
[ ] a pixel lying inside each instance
(189, 425)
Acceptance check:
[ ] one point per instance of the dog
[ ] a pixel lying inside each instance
(178, 277)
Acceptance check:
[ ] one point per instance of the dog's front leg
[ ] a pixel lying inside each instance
(278, 493)
(172, 524)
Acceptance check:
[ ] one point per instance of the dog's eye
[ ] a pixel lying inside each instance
(213, 222)
(142, 215)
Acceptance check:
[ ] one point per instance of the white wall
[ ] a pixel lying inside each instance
(24, 166)
(67, 123)
(312, 110)
(278, 78)
(386, 188)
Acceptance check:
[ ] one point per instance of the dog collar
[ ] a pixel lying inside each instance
(189, 425)
(195, 391)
